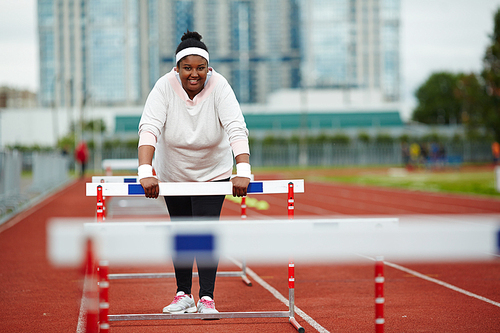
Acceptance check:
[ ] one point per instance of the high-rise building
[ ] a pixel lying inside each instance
(351, 44)
(254, 44)
(111, 52)
(90, 52)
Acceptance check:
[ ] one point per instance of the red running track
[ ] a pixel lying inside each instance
(36, 297)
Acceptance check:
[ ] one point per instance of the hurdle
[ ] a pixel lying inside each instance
(290, 187)
(454, 240)
(119, 164)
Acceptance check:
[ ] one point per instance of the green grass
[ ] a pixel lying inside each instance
(477, 183)
(472, 180)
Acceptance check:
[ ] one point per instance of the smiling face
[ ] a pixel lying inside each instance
(193, 71)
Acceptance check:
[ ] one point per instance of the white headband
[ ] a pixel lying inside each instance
(191, 51)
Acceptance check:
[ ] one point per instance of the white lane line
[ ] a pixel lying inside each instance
(439, 282)
(80, 328)
(280, 297)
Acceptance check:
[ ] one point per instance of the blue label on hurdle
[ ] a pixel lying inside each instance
(194, 243)
(498, 241)
(201, 246)
(135, 189)
(255, 187)
(130, 180)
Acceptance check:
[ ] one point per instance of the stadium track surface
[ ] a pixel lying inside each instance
(36, 297)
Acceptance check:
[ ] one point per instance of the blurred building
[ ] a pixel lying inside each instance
(17, 98)
(254, 44)
(90, 52)
(351, 45)
(111, 52)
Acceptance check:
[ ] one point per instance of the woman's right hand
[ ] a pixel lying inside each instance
(151, 187)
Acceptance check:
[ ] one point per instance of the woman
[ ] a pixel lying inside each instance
(192, 121)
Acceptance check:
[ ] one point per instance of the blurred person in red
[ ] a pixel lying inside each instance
(82, 156)
(495, 150)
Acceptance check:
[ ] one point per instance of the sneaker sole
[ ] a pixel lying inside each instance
(209, 313)
(188, 310)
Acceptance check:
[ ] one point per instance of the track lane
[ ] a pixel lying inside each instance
(339, 297)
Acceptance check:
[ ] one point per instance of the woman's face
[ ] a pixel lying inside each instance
(193, 71)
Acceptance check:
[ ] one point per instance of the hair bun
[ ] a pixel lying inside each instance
(191, 34)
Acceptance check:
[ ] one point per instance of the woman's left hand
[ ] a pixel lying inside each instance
(240, 185)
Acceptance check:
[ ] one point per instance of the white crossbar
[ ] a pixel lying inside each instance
(273, 241)
(220, 315)
(126, 179)
(115, 179)
(121, 164)
(196, 188)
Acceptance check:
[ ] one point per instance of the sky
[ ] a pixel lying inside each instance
(436, 35)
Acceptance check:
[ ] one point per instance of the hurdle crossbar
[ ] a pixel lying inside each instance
(195, 188)
(127, 179)
(115, 179)
(220, 315)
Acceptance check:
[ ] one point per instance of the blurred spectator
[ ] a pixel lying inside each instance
(495, 151)
(405, 152)
(424, 153)
(82, 156)
(415, 153)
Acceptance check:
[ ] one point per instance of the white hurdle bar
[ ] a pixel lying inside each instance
(127, 179)
(273, 241)
(119, 164)
(195, 188)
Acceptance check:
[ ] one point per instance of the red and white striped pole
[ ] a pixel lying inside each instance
(379, 295)
(103, 204)
(103, 296)
(243, 207)
(100, 204)
(90, 291)
(291, 267)
(291, 201)
(291, 297)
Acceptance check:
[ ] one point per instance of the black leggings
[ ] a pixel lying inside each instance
(183, 207)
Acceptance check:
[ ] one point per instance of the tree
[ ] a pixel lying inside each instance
(447, 98)
(437, 100)
(470, 93)
(490, 114)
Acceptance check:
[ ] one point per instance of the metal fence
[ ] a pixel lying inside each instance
(331, 154)
(10, 181)
(49, 171)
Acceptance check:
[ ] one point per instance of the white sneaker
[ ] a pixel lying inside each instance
(206, 305)
(182, 303)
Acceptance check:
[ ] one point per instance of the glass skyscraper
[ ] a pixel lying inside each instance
(351, 44)
(253, 43)
(111, 52)
(90, 52)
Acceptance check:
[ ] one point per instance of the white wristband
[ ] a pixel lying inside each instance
(243, 170)
(145, 171)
